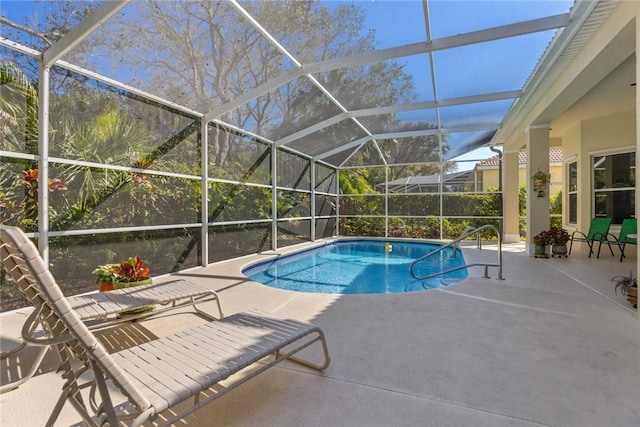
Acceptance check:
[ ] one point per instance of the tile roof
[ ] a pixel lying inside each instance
(555, 156)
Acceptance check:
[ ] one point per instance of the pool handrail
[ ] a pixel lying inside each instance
(469, 231)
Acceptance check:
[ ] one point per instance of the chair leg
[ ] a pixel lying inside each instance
(610, 248)
(34, 367)
(622, 250)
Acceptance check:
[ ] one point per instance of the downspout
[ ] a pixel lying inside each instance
(495, 150)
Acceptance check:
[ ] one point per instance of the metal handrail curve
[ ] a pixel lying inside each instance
(469, 231)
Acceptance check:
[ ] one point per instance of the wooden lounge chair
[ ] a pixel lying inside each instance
(598, 230)
(102, 310)
(155, 376)
(628, 229)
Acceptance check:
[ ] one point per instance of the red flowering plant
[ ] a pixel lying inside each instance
(127, 271)
(30, 180)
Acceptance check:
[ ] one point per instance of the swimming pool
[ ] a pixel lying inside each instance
(358, 267)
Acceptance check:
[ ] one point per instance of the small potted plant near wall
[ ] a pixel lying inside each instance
(628, 286)
(541, 241)
(559, 239)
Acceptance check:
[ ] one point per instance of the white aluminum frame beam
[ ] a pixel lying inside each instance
(496, 33)
(293, 59)
(92, 21)
(409, 134)
(488, 97)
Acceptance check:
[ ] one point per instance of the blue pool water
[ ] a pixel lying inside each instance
(358, 267)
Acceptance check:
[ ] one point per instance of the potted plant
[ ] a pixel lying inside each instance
(541, 240)
(540, 181)
(129, 272)
(628, 286)
(559, 239)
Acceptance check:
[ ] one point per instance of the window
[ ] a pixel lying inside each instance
(572, 192)
(614, 182)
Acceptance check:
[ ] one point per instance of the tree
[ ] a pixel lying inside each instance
(204, 54)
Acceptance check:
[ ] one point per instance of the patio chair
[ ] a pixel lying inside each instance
(628, 235)
(598, 230)
(104, 309)
(137, 384)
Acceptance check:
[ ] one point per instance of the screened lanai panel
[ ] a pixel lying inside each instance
(293, 171)
(236, 240)
(412, 178)
(471, 205)
(413, 149)
(237, 202)
(365, 205)
(326, 179)
(325, 228)
(285, 110)
(401, 121)
(316, 31)
(495, 66)
(381, 83)
(196, 54)
(408, 149)
(237, 157)
(36, 18)
(94, 122)
(343, 156)
(293, 204)
(363, 180)
(403, 205)
(449, 18)
(104, 198)
(72, 258)
(326, 205)
(18, 103)
(488, 113)
(464, 142)
(312, 31)
(18, 194)
(292, 232)
(328, 138)
(367, 154)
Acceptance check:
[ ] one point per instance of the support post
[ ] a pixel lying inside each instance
(538, 218)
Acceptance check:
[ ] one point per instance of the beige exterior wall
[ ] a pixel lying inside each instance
(490, 178)
(607, 134)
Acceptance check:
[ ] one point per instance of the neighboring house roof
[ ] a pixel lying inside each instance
(411, 182)
(555, 156)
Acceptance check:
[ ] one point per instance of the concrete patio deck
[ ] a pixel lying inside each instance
(550, 345)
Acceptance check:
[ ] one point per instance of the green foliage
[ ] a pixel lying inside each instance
(355, 181)
(362, 226)
(423, 228)
(522, 208)
(127, 270)
(555, 203)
